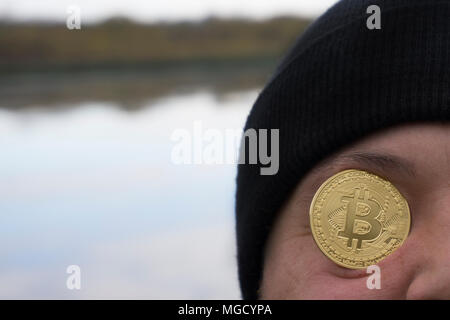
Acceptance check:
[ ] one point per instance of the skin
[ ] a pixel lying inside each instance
(416, 159)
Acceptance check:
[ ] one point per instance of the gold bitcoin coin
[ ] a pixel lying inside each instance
(357, 218)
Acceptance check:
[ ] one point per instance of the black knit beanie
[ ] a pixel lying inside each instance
(340, 82)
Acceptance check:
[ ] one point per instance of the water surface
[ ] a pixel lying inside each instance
(93, 184)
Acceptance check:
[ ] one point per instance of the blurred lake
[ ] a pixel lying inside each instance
(86, 178)
(87, 119)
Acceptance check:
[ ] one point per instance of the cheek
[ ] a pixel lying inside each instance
(297, 269)
(327, 286)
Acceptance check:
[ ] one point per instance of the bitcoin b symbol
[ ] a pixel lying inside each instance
(358, 218)
(361, 219)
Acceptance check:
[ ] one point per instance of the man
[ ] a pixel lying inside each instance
(349, 96)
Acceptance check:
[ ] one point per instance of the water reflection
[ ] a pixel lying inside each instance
(131, 89)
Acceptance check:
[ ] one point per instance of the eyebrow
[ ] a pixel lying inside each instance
(381, 161)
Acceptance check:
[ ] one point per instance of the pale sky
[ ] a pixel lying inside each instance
(156, 10)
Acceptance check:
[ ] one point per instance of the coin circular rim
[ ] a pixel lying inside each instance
(323, 185)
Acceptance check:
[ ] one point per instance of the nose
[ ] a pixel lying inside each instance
(432, 260)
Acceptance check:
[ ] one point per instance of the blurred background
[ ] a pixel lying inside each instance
(87, 118)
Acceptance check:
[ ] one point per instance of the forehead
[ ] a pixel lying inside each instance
(414, 142)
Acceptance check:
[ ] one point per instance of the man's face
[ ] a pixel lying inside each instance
(416, 159)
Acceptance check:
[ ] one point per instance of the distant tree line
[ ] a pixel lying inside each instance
(120, 43)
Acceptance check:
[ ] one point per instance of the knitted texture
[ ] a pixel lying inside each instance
(339, 83)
